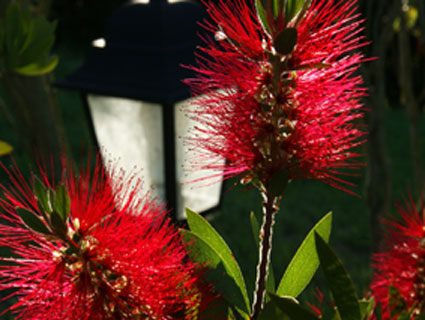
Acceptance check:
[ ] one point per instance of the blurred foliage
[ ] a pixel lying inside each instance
(5, 148)
(26, 41)
(412, 15)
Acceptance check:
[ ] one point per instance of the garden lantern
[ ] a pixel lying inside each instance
(131, 83)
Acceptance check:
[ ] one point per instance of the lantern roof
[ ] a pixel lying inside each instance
(141, 57)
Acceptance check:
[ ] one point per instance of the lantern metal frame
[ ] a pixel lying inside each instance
(127, 56)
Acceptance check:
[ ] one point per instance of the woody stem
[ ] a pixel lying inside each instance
(270, 207)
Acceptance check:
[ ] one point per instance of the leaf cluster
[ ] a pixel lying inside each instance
(54, 207)
(209, 248)
(26, 41)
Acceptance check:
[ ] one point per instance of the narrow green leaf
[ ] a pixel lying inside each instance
(292, 308)
(255, 227)
(40, 192)
(38, 68)
(276, 7)
(366, 307)
(285, 41)
(58, 225)
(201, 228)
(305, 262)
(293, 7)
(32, 221)
(5, 148)
(62, 202)
(301, 13)
(339, 281)
(219, 273)
(262, 15)
(51, 199)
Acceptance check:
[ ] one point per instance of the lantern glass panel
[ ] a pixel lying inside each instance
(129, 133)
(193, 192)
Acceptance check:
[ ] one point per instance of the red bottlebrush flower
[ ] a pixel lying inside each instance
(266, 107)
(317, 309)
(111, 255)
(399, 280)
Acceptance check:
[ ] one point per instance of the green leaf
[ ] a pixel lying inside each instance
(41, 41)
(366, 307)
(276, 8)
(62, 203)
(201, 228)
(293, 7)
(27, 41)
(38, 68)
(32, 221)
(272, 312)
(305, 262)
(51, 199)
(301, 13)
(219, 273)
(285, 41)
(40, 192)
(292, 308)
(58, 225)
(262, 15)
(255, 227)
(5, 148)
(339, 281)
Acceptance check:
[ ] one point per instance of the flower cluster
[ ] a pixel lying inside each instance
(399, 281)
(90, 249)
(279, 94)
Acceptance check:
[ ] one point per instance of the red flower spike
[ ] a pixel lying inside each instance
(265, 111)
(402, 266)
(121, 258)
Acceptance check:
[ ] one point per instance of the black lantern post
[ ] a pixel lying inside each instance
(131, 84)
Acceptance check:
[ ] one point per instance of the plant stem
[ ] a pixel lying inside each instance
(270, 207)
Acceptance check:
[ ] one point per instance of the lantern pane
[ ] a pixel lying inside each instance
(201, 195)
(130, 135)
